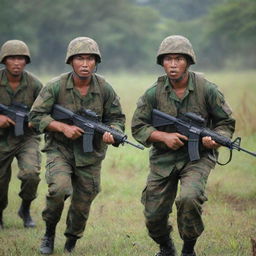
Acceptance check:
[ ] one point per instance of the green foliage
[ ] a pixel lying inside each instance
(129, 32)
(117, 26)
(232, 30)
(182, 10)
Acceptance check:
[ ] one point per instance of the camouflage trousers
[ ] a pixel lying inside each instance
(160, 193)
(65, 180)
(29, 164)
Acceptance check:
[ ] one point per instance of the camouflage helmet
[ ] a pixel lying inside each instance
(14, 47)
(176, 44)
(83, 45)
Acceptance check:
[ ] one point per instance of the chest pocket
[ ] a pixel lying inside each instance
(93, 102)
(24, 96)
(195, 101)
(30, 94)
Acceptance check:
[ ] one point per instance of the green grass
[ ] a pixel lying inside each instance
(116, 223)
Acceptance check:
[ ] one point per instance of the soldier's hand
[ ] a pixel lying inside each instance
(108, 138)
(209, 143)
(5, 121)
(72, 132)
(174, 140)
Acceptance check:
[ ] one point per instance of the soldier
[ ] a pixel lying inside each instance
(18, 86)
(177, 92)
(69, 170)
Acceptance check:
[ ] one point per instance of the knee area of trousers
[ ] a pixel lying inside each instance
(156, 220)
(61, 192)
(190, 200)
(30, 176)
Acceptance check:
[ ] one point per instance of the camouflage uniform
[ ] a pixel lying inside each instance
(69, 169)
(26, 147)
(168, 166)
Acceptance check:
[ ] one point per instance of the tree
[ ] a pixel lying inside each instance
(231, 32)
(129, 32)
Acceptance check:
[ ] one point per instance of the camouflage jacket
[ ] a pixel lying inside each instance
(100, 99)
(201, 97)
(26, 93)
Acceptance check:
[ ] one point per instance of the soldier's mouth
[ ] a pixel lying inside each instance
(173, 73)
(85, 71)
(16, 70)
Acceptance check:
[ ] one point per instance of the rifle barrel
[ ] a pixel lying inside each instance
(135, 145)
(247, 151)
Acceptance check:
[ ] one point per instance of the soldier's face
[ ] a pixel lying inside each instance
(84, 64)
(15, 64)
(174, 65)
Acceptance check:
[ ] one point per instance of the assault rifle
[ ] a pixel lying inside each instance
(193, 126)
(88, 121)
(18, 112)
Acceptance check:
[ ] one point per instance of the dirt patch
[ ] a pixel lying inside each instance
(239, 204)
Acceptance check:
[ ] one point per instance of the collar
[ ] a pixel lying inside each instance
(190, 86)
(92, 87)
(4, 80)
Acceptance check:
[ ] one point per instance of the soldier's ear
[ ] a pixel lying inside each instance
(188, 59)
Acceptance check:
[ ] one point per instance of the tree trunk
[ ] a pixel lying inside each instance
(253, 246)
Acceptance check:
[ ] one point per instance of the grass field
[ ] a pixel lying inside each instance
(116, 224)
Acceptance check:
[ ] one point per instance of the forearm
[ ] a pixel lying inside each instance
(157, 136)
(70, 131)
(56, 126)
(220, 112)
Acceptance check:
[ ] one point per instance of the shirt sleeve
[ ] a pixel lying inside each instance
(220, 112)
(141, 121)
(39, 87)
(112, 113)
(40, 114)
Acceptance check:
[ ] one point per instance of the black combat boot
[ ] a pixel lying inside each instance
(47, 244)
(188, 248)
(70, 244)
(24, 213)
(167, 249)
(1, 220)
